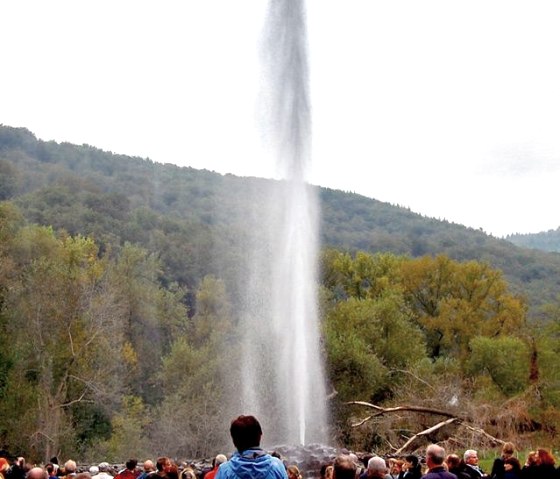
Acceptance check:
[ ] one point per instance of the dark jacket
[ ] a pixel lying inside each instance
(460, 472)
(439, 472)
(414, 473)
(498, 470)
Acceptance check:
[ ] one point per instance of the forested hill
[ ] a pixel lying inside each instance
(195, 219)
(545, 241)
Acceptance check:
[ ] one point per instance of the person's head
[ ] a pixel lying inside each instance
(471, 457)
(4, 464)
(70, 466)
(329, 471)
(532, 459)
(131, 464)
(83, 475)
(293, 472)
(545, 457)
(245, 432)
(148, 465)
(344, 467)
(376, 467)
(395, 465)
(162, 462)
(508, 449)
(453, 461)
(411, 462)
(219, 459)
(104, 467)
(171, 471)
(37, 473)
(435, 455)
(93, 470)
(188, 473)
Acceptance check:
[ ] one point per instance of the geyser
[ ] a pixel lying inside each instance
(283, 380)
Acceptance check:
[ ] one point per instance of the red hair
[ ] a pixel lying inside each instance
(546, 457)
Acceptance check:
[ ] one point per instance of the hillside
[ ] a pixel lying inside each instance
(545, 241)
(195, 219)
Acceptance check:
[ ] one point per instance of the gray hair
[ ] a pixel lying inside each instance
(220, 459)
(436, 454)
(469, 453)
(377, 464)
(37, 473)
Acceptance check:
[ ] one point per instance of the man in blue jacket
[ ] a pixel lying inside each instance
(250, 461)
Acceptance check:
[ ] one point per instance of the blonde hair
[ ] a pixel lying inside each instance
(294, 471)
(508, 449)
(188, 473)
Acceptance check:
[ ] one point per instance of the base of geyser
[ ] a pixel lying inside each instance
(308, 458)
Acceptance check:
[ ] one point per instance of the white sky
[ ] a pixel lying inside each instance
(451, 108)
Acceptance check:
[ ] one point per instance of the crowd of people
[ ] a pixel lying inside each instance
(436, 464)
(250, 461)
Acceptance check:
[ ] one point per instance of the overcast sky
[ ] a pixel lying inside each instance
(450, 108)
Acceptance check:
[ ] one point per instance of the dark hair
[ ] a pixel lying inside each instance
(412, 459)
(131, 464)
(453, 461)
(344, 467)
(162, 462)
(245, 432)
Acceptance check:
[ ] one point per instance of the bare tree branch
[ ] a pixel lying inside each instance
(383, 410)
(74, 401)
(452, 418)
(483, 433)
(426, 432)
(363, 421)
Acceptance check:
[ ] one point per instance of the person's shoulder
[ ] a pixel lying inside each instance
(278, 466)
(224, 468)
(440, 474)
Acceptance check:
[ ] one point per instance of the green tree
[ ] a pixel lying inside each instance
(505, 360)
(190, 418)
(154, 317)
(128, 437)
(365, 340)
(64, 324)
(454, 302)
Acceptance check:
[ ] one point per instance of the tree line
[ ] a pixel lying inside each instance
(104, 356)
(196, 219)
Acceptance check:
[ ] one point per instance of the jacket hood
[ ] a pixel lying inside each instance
(252, 464)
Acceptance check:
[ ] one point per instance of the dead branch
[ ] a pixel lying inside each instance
(425, 432)
(482, 432)
(363, 421)
(452, 418)
(383, 410)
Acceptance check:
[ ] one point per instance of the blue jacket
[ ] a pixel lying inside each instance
(252, 464)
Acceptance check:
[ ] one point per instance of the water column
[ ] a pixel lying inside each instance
(283, 379)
